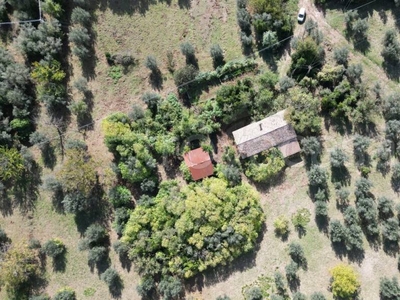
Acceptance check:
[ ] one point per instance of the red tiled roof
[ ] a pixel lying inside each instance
(199, 163)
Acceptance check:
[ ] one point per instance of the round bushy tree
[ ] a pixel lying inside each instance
(296, 252)
(97, 254)
(390, 231)
(389, 289)
(253, 293)
(217, 55)
(337, 232)
(341, 55)
(111, 278)
(385, 208)
(281, 225)
(291, 272)
(146, 286)
(151, 63)
(54, 248)
(317, 176)
(345, 282)
(279, 283)
(338, 158)
(299, 296)
(170, 287)
(80, 16)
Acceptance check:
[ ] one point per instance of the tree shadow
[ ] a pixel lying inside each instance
(293, 283)
(56, 201)
(322, 223)
(126, 263)
(123, 7)
(341, 175)
(356, 255)
(391, 70)
(339, 249)
(362, 45)
(156, 79)
(390, 248)
(383, 167)
(60, 262)
(116, 288)
(26, 189)
(85, 121)
(395, 184)
(185, 4)
(6, 204)
(49, 156)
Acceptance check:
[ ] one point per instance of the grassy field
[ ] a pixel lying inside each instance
(160, 28)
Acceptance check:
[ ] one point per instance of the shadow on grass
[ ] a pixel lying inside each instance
(60, 262)
(116, 288)
(6, 204)
(356, 255)
(185, 4)
(49, 156)
(322, 223)
(391, 248)
(341, 175)
(294, 283)
(339, 249)
(156, 80)
(26, 189)
(126, 263)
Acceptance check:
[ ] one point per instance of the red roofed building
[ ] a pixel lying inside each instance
(199, 163)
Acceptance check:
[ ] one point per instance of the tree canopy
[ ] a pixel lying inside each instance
(189, 229)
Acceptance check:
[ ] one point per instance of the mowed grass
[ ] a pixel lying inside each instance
(160, 29)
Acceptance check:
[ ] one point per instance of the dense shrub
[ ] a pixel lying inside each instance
(321, 209)
(151, 63)
(354, 238)
(185, 75)
(253, 293)
(95, 235)
(301, 218)
(120, 219)
(350, 216)
(391, 47)
(81, 39)
(286, 83)
(383, 154)
(279, 283)
(363, 187)
(360, 148)
(299, 296)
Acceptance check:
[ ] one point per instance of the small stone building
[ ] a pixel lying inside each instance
(272, 131)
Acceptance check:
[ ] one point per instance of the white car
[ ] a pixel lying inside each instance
(302, 15)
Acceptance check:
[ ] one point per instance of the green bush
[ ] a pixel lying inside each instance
(291, 272)
(296, 252)
(341, 55)
(265, 166)
(317, 296)
(279, 283)
(301, 218)
(217, 55)
(151, 63)
(121, 218)
(281, 225)
(338, 158)
(146, 286)
(97, 254)
(253, 293)
(385, 208)
(80, 16)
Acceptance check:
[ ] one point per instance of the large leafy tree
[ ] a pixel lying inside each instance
(307, 60)
(11, 164)
(19, 267)
(187, 230)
